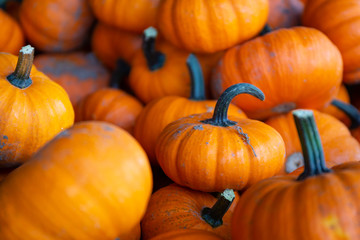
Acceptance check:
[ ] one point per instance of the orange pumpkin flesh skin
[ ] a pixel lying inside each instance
(33, 108)
(188, 234)
(165, 110)
(93, 181)
(12, 37)
(223, 152)
(285, 13)
(320, 204)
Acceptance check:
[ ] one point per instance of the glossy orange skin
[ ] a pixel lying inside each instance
(109, 105)
(338, 19)
(133, 16)
(110, 44)
(188, 234)
(56, 25)
(338, 144)
(96, 186)
(29, 117)
(210, 26)
(78, 73)
(160, 112)
(213, 158)
(297, 66)
(285, 13)
(318, 208)
(12, 37)
(174, 208)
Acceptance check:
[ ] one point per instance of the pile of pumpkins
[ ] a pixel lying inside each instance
(178, 119)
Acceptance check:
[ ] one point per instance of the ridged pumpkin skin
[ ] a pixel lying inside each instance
(210, 26)
(337, 19)
(188, 234)
(29, 117)
(339, 146)
(12, 37)
(174, 208)
(285, 13)
(296, 68)
(93, 181)
(132, 16)
(56, 25)
(109, 105)
(78, 73)
(318, 208)
(110, 44)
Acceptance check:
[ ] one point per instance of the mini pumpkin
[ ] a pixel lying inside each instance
(33, 109)
(12, 37)
(223, 152)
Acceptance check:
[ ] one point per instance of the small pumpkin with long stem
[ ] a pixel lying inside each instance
(160, 112)
(33, 108)
(319, 204)
(175, 207)
(213, 152)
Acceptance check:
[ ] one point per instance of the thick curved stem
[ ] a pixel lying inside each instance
(213, 216)
(351, 111)
(220, 117)
(267, 29)
(120, 72)
(313, 153)
(154, 59)
(21, 76)
(197, 78)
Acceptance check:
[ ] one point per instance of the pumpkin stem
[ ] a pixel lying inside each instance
(21, 76)
(213, 216)
(351, 111)
(314, 160)
(267, 29)
(121, 70)
(220, 117)
(197, 78)
(154, 59)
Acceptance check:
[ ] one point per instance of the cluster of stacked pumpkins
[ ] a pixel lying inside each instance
(178, 119)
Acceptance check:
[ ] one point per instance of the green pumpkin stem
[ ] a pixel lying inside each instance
(351, 111)
(314, 160)
(220, 117)
(21, 76)
(213, 216)
(267, 29)
(154, 59)
(197, 78)
(120, 72)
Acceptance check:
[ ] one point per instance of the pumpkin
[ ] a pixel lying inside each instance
(56, 25)
(304, 55)
(189, 234)
(133, 16)
(79, 73)
(330, 130)
(319, 204)
(210, 26)
(110, 44)
(285, 13)
(223, 152)
(12, 37)
(96, 186)
(174, 207)
(162, 111)
(134, 234)
(339, 20)
(12, 7)
(33, 109)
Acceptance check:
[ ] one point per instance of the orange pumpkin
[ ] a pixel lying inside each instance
(33, 109)
(210, 26)
(173, 208)
(92, 181)
(297, 68)
(320, 204)
(134, 234)
(285, 13)
(162, 111)
(78, 73)
(331, 130)
(222, 152)
(56, 25)
(12, 37)
(133, 16)
(188, 234)
(340, 21)
(110, 44)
